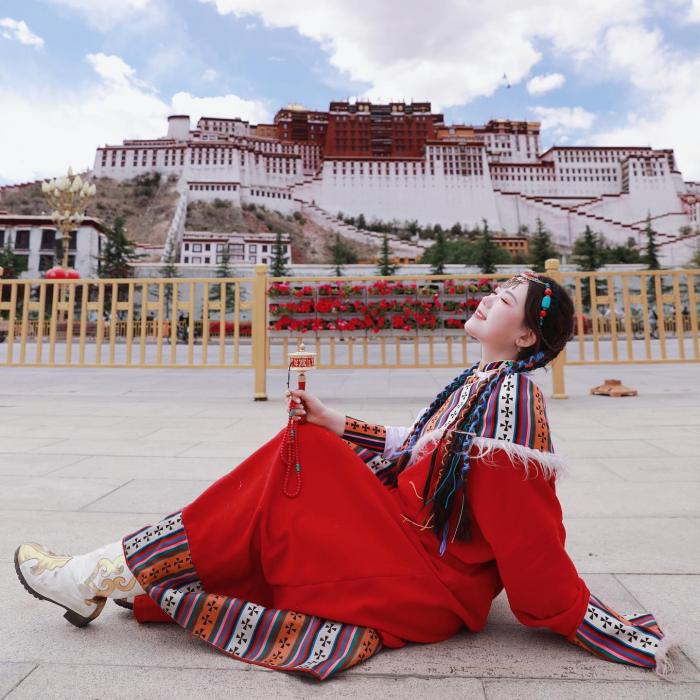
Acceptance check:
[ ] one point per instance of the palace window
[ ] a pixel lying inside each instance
(48, 239)
(22, 240)
(23, 261)
(45, 262)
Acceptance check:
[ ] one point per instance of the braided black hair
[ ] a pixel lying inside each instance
(553, 335)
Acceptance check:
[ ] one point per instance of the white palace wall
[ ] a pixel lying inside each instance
(610, 189)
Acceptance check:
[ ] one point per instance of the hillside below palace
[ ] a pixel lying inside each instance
(401, 161)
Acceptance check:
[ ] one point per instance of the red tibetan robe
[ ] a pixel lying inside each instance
(352, 550)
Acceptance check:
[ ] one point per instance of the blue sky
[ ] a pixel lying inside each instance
(75, 74)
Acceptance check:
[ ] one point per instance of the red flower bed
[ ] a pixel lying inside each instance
(385, 305)
(215, 328)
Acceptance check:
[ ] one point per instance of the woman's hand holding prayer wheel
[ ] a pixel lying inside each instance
(305, 404)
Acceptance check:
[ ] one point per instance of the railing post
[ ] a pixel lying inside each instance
(259, 332)
(551, 268)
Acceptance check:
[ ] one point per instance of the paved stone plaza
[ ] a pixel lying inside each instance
(87, 456)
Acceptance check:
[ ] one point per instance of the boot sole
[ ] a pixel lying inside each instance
(71, 615)
(122, 603)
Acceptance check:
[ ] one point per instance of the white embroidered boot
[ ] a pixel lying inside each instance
(81, 584)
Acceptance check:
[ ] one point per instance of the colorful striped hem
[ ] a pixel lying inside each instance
(159, 557)
(632, 639)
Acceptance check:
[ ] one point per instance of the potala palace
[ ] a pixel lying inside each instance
(401, 161)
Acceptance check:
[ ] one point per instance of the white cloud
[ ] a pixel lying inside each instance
(112, 69)
(408, 50)
(450, 57)
(694, 11)
(564, 118)
(209, 75)
(103, 14)
(114, 107)
(668, 107)
(545, 83)
(220, 106)
(17, 30)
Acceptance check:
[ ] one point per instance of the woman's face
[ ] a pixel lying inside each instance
(498, 324)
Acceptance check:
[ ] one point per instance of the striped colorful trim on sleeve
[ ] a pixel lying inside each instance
(633, 639)
(368, 435)
(282, 640)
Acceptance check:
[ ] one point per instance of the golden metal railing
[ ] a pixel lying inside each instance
(124, 323)
(218, 323)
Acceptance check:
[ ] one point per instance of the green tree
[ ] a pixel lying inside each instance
(11, 262)
(623, 253)
(278, 267)
(651, 248)
(487, 251)
(169, 270)
(589, 252)
(117, 253)
(224, 271)
(12, 268)
(361, 222)
(413, 228)
(384, 264)
(541, 246)
(456, 231)
(341, 253)
(438, 254)
(588, 255)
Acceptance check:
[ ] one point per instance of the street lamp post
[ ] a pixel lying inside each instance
(68, 198)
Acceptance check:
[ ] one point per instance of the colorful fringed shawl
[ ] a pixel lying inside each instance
(514, 420)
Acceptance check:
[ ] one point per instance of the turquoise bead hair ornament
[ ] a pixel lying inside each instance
(546, 302)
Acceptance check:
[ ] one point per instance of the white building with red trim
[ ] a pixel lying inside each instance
(33, 239)
(401, 162)
(207, 248)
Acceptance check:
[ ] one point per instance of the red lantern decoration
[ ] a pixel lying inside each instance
(59, 273)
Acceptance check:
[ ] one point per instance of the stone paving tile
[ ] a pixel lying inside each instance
(52, 493)
(610, 448)
(67, 682)
(17, 444)
(600, 545)
(150, 496)
(675, 600)
(217, 449)
(586, 469)
(629, 499)
(538, 689)
(126, 446)
(666, 469)
(172, 468)
(32, 464)
(630, 504)
(12, 674)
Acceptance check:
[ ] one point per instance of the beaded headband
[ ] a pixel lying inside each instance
(529, 276)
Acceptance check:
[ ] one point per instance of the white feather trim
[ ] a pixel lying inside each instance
(548, 463)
